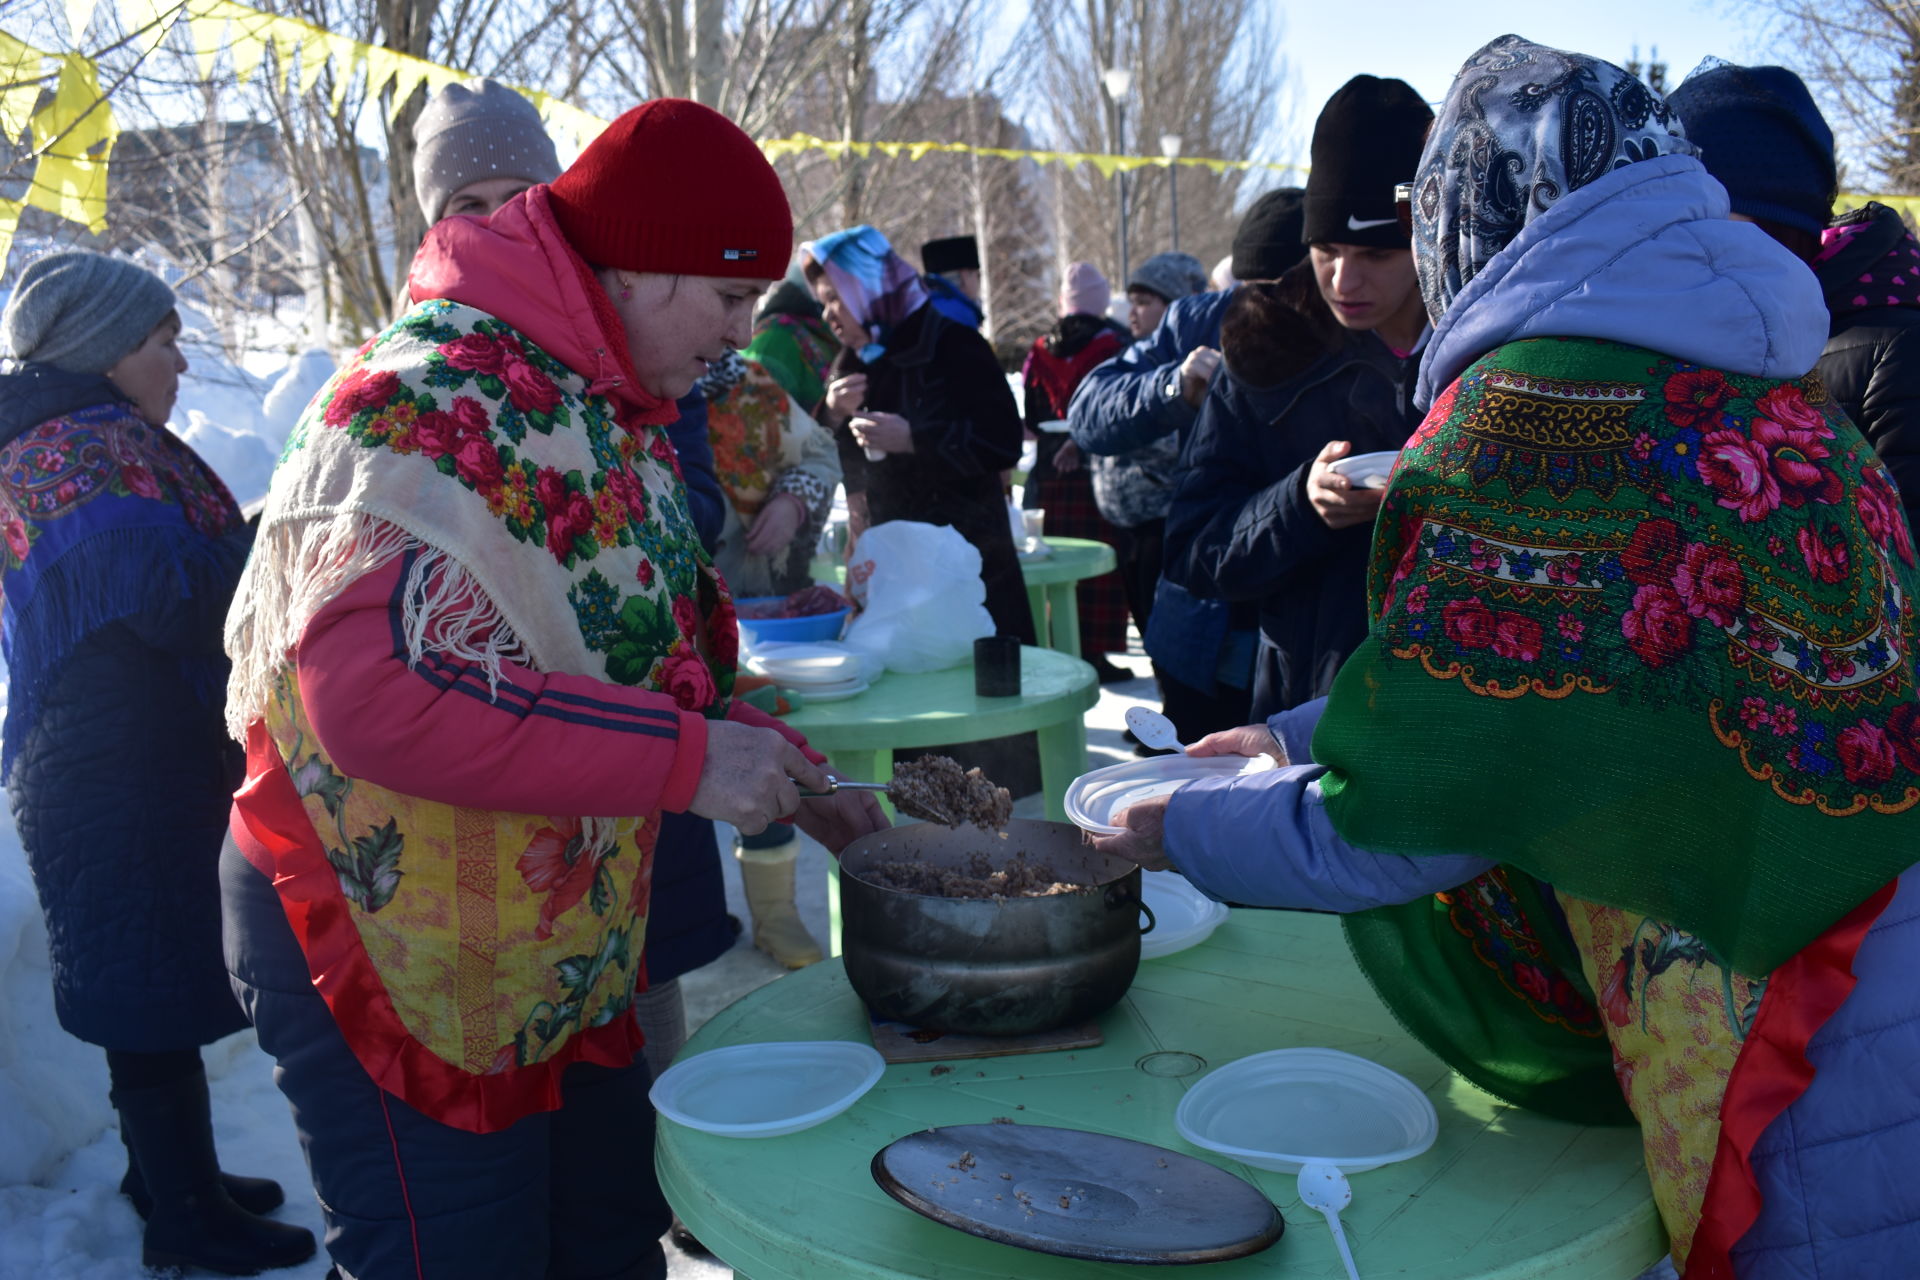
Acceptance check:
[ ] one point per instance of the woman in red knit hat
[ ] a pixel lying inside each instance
(477, 653)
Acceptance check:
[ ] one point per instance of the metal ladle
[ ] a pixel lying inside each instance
(911, 809)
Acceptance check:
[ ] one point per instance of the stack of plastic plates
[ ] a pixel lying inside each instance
(1182, 916)
(819, 672)
(1095, 799)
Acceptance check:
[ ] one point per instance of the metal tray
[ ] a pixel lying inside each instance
(1077, 1194)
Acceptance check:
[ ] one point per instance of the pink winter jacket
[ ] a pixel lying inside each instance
(539, 743)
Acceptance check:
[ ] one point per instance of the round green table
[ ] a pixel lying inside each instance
(1052, 583)
(1504, 1194)
(936, 707)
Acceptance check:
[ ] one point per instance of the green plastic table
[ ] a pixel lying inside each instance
(899, 711)
(1051, 588)
(1504, 1194)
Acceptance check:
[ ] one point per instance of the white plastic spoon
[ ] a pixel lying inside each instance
(1154, 729)
(1324, 1187)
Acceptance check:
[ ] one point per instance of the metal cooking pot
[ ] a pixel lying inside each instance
(990, 966)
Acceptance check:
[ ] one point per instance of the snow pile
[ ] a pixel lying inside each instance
(53, 1089)
(289, 394)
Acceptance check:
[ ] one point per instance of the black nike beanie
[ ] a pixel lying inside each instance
(1366, 141)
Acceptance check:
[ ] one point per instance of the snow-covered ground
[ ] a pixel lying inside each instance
(61, 1215)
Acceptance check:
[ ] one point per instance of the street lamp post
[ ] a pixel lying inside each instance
(1119, 82)
(1170, 148)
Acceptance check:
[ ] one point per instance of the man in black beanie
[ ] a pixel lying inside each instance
(1132, 415)
(1317, 366)
(951, 271)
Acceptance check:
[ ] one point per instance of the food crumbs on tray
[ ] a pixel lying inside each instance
(966, 1160)
(940, 1070)
(1159, 1163)
(1003, 1119)
(1007, 1176)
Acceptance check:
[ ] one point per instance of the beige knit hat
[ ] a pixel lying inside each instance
(474, 131)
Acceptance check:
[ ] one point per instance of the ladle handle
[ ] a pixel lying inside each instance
(841, 784)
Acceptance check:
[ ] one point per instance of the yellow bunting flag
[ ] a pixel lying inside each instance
(21, 78)
(73, 137)
(79, 15)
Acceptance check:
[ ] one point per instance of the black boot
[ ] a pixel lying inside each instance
(255, 1195)
(194, 1222)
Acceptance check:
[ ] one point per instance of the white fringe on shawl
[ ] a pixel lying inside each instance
(297, 567)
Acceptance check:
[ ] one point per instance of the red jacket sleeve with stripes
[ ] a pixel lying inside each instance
(529, 743)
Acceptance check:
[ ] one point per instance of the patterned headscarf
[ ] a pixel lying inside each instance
(877, 284)
(1522, 126)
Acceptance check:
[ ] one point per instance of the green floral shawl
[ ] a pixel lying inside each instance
(1645, 632)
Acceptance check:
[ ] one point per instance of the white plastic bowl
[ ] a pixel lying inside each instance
(1182, 916)
(765, 1090)
(1367, 470)
(1292, 1107)
(1093, 799)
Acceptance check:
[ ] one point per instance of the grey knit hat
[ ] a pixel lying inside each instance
(474, 131)
(1171, 275)
(82, 311)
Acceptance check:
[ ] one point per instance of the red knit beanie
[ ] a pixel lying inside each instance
(676, 187)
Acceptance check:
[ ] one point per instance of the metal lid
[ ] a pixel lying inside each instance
(1077, 1194)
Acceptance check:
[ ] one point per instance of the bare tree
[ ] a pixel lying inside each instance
(1862, 59)
(1209, 71)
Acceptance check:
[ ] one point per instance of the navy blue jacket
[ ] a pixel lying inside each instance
(1123, 404)
(1242, 529)
(120, 788)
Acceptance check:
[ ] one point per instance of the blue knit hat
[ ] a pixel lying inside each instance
(1761, 135)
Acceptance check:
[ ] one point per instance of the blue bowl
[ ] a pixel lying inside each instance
(819, 626)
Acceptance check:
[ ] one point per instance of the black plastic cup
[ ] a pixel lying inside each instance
(996, 666)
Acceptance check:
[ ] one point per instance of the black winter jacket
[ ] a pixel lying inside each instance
(121, 787)
(1242, 528)
(1872, 362)
(945, 381)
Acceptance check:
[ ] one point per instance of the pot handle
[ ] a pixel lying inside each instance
(1119, 896)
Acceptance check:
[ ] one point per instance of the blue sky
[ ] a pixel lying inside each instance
(1424, 41)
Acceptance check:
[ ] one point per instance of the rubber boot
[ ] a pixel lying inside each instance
(768, 877)
(255, 1195)
(194, 1222)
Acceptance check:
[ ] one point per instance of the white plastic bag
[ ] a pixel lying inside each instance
(922, 600)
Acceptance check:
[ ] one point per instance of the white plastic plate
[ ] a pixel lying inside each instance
(765, 1090)
(1094, 798)
(801, 660)
(1289, 1107)
(1182, 916)
(1367, 470)
(833, 693)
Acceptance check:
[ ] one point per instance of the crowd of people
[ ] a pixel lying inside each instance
(1599, 722)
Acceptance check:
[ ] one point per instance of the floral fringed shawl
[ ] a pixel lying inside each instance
(103, 516)
(468, 956)
(1643, 633)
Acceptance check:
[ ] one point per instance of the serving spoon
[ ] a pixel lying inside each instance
(1324, 1187)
